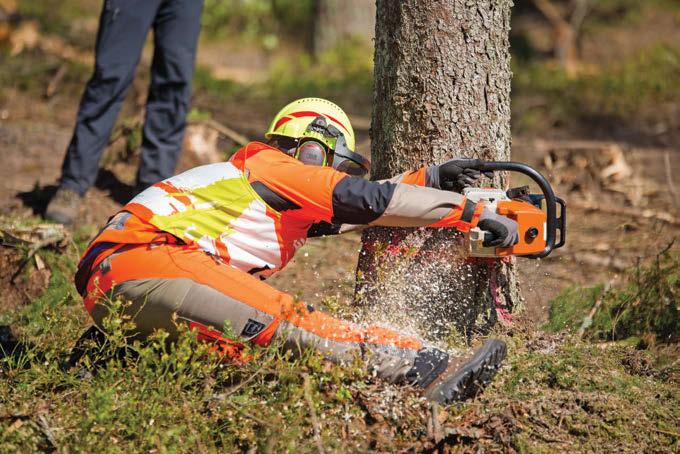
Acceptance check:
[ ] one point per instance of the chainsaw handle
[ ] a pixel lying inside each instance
(486, 236)
(553, 223)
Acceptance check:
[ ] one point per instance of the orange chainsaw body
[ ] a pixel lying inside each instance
(540, 217)
(531, 223)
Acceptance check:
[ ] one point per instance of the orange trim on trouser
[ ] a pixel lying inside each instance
(168, 261)
(225, 348)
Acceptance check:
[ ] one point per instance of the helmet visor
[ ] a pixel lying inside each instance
(345, 160)
(351, 163)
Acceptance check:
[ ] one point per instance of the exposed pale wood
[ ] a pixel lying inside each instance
(588, 320)
(226, 131)
(437, 434)
(669, 178)
(47, 431)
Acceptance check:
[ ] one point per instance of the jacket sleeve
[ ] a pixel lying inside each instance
(415, 177)
(357, 201)
(425, 176)
(324, 194)
(419, 177)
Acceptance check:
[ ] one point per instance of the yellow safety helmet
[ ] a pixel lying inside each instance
(294, 119)
(317, 126)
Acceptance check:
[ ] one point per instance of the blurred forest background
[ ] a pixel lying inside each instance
(595, 106)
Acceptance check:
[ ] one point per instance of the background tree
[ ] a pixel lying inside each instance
(442, 90)
(566, 29)
(336, 20)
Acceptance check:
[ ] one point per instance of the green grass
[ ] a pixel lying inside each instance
(32, 70)
(579, 396)
(607, 14)
(556, 392)
(263, 22)
(344, 74)
(569, 307)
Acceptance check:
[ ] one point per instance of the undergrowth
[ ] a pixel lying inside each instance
(555, 392)
(629, 90)
(647, 309)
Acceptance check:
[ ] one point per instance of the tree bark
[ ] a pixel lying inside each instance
(337, 20)
(442, 90)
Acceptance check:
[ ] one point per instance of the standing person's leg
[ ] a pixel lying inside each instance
(123, 27)
(176, 31)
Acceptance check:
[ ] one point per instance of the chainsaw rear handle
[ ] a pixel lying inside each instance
(553, 223)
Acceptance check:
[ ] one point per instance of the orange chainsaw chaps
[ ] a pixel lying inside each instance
(531, 224)
(229, 350)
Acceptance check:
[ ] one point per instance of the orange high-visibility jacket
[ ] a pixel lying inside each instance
(257, 209)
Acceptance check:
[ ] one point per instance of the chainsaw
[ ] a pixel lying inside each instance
(536, 215)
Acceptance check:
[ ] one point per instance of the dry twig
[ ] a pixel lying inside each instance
(437, 434)
(588, 320)
(240, 410)
(40, 236)
(312, 413)
(240, 385)
(47, 431)
(53, 85)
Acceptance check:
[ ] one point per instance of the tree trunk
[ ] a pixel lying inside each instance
(442, 90)
(337, 20)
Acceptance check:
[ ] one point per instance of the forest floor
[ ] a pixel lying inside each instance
(558, 391)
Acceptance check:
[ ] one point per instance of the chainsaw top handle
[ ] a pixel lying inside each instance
(553, 223)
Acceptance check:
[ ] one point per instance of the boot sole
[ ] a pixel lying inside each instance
(471, 378)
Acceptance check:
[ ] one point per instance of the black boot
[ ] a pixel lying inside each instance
(467, 375)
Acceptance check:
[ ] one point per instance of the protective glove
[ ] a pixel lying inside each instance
(503, 229)
(459, 173)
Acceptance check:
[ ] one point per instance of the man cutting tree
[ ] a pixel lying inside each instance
(200, 244)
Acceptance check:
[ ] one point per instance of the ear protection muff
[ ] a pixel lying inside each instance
(311, 152)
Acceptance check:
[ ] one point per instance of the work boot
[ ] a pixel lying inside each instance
(467, 375)
(63, 208)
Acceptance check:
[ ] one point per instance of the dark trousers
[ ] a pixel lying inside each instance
(123, 28)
